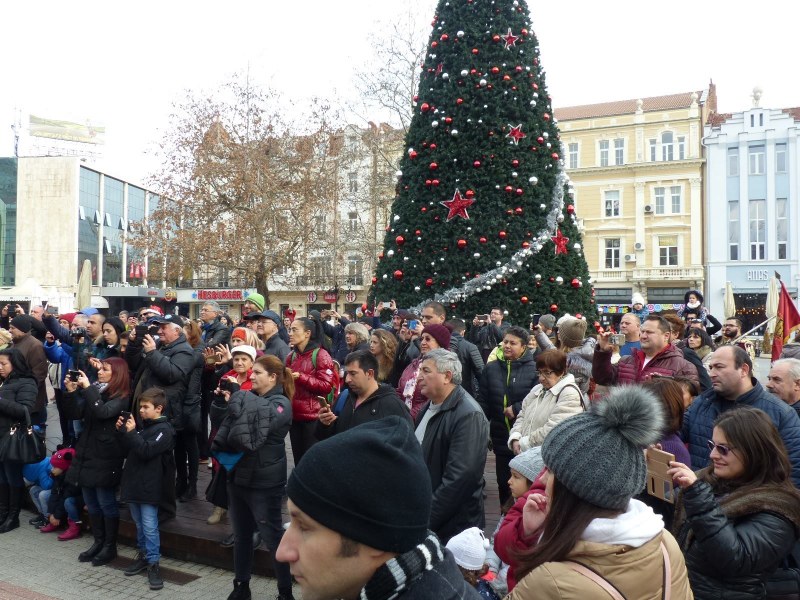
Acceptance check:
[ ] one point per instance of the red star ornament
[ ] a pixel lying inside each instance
(560, 241)
(516, 133)
(510, 39)
(458, 206)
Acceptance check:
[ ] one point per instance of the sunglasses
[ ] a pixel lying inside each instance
(721, 448)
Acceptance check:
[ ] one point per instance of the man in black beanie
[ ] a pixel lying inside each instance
(33, 352)
(360, 504)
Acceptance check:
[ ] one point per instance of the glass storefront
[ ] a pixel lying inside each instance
(8, 220)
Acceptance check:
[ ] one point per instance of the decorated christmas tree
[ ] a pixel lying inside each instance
(483, 213)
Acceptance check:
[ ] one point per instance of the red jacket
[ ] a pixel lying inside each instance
(312, 382)
(511, 535)
(669, 362)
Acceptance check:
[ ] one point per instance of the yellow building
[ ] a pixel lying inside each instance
(637, 169)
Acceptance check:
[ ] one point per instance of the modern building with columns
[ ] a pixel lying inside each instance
(637, 168)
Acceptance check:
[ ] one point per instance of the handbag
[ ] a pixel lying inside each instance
(23, 444)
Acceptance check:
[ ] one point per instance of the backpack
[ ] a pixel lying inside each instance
(337, 380)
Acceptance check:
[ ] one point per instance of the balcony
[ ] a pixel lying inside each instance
(669, 274)
(216, 283)
(613, 275)
(325, 283)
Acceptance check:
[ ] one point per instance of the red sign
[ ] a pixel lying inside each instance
(312, 296)
(220, 295)
(330, 296)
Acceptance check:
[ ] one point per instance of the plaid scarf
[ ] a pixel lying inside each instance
(398, 574)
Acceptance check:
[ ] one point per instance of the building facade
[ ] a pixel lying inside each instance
(752, 190)
(637, 170)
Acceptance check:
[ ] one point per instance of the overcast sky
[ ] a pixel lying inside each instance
(125, 67)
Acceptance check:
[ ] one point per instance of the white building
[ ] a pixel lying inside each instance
(753, 206)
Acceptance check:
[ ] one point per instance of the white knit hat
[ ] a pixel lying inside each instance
(469, 549)
(637, 298)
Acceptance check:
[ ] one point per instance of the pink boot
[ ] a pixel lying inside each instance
(73, 531)
(49, 527)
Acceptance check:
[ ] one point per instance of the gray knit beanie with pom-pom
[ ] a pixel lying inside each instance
(597, 455)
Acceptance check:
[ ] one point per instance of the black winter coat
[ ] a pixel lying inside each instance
(702, 373)
(382, 403)
(99, 454)
(505, 384)
(189, 418)
(60, 491)
(471, 363)
(168, 367)
(443, 582)
(257, 426)
(730, 558)
(150, 461)
(454, 449)
(275, 346)
(216, 333)
(16, 394)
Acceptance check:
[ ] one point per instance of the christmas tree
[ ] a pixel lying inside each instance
(483, 215)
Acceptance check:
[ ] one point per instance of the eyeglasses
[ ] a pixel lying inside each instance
(721, 448)
(547, 373)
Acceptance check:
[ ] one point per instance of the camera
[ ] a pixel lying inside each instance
(73, 375)
(618, 339)
(226, 385)
(78, 332)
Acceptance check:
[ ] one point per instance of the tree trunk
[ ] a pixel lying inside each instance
(262, 286)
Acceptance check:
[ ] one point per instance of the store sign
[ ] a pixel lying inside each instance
(350, 296)
(757, 275)
(312, 297)
(220, 295)
(331, 296)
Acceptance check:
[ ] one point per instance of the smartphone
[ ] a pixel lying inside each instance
(618, 339)
(125, 414)
(484, 318)
(535, 319)
(323, 401)
(73, 375)
(659, 484)
(52, 310)
(412, 324)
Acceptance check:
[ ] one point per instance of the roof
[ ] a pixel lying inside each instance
(716, 119)
(626, 107)
(793, 112)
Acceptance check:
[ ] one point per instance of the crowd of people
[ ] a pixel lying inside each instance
(389, 425)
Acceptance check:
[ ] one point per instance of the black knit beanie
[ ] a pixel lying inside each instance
(23, 322)
(369, 483)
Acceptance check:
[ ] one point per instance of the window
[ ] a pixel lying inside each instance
(619, 151)
(321, 225)
(659, 200)
(354, 270)
(681, 148)
(782, 228)
(758, 229)
(757, 160)
(353, 182)
(352, 222)
(611, 203)
(733, 230)
(604, 153)
(780, 158)
(572, 152)
(612, 254)
(752, 120)
(761, 119)
(667, 149)
(668, 250)
(675, 192)
(733, 162)
(320, 268)
(652, 150)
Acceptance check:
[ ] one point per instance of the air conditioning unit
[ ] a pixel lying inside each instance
(630, 258)
(648, 208)
(638, 246)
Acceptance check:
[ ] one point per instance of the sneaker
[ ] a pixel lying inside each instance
(73, 531)
(216, 516)
(154, 577)
(48, 527)
(228, 541)
(241, 591)
(38, 521)
(139, 565)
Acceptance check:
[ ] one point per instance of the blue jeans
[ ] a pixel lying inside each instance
(147, 536)
(73, 506)
(101, 501)
(40, 498)
(11, 474)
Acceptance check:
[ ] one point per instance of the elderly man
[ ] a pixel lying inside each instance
(784, 381)
(454, 434)
(657, 356)
(266, 325)
(733, 385)
(630, 326)
(167, 366)
(214, 333)
(368, 538)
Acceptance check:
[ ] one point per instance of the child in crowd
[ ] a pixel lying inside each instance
(66, 499)
(638, 308)
(150, 462)
(38, 474)
(469, 550)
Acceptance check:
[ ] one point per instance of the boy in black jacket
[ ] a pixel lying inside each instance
(150, 462)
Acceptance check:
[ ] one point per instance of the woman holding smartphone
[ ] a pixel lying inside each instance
(98, 463)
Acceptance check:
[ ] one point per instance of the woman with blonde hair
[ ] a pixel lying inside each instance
(383, 346)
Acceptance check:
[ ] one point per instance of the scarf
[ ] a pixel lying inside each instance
(736, 500)
(101, 387)
(398, 574)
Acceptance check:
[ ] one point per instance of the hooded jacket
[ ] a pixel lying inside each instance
(454, 449)
(505, 383)
(312, 382)
(631, 369)
(150, 461)
(383, 402)
(625, 550)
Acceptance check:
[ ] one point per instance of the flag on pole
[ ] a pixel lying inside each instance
(788, 321)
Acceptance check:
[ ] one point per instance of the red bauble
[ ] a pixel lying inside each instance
(433, 166)
(412, 153)
(417, 232)
(554, 308)
(398, 274)
(518, 210)
(506, 77)
(519, 192)
(525, 244)
(374, 280)
(476, 164)
(448, 120)
(495, 70)
(508, 189)
(435, 182)
(433, 146)
(578, 316)
(495, 38)
(429, 282)
(459, 101)
(546, 116)
(415, 98)
(570, 209)
(425, 107)
(524, 299)
(444, 37)
(428, 182)
(576, 283)
(518, 68)
(540, 139)
(434, 43)
(462, 244)
(515, 163)
(475, 50)
(502, 235)
(552, 279)
(470, 193)
(554, 155)
(482, 240)
(380, 256)
(400, 240)
(424, 209)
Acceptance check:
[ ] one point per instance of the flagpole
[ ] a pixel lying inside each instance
(753, 329)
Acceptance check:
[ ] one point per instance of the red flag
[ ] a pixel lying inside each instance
(788, 321)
